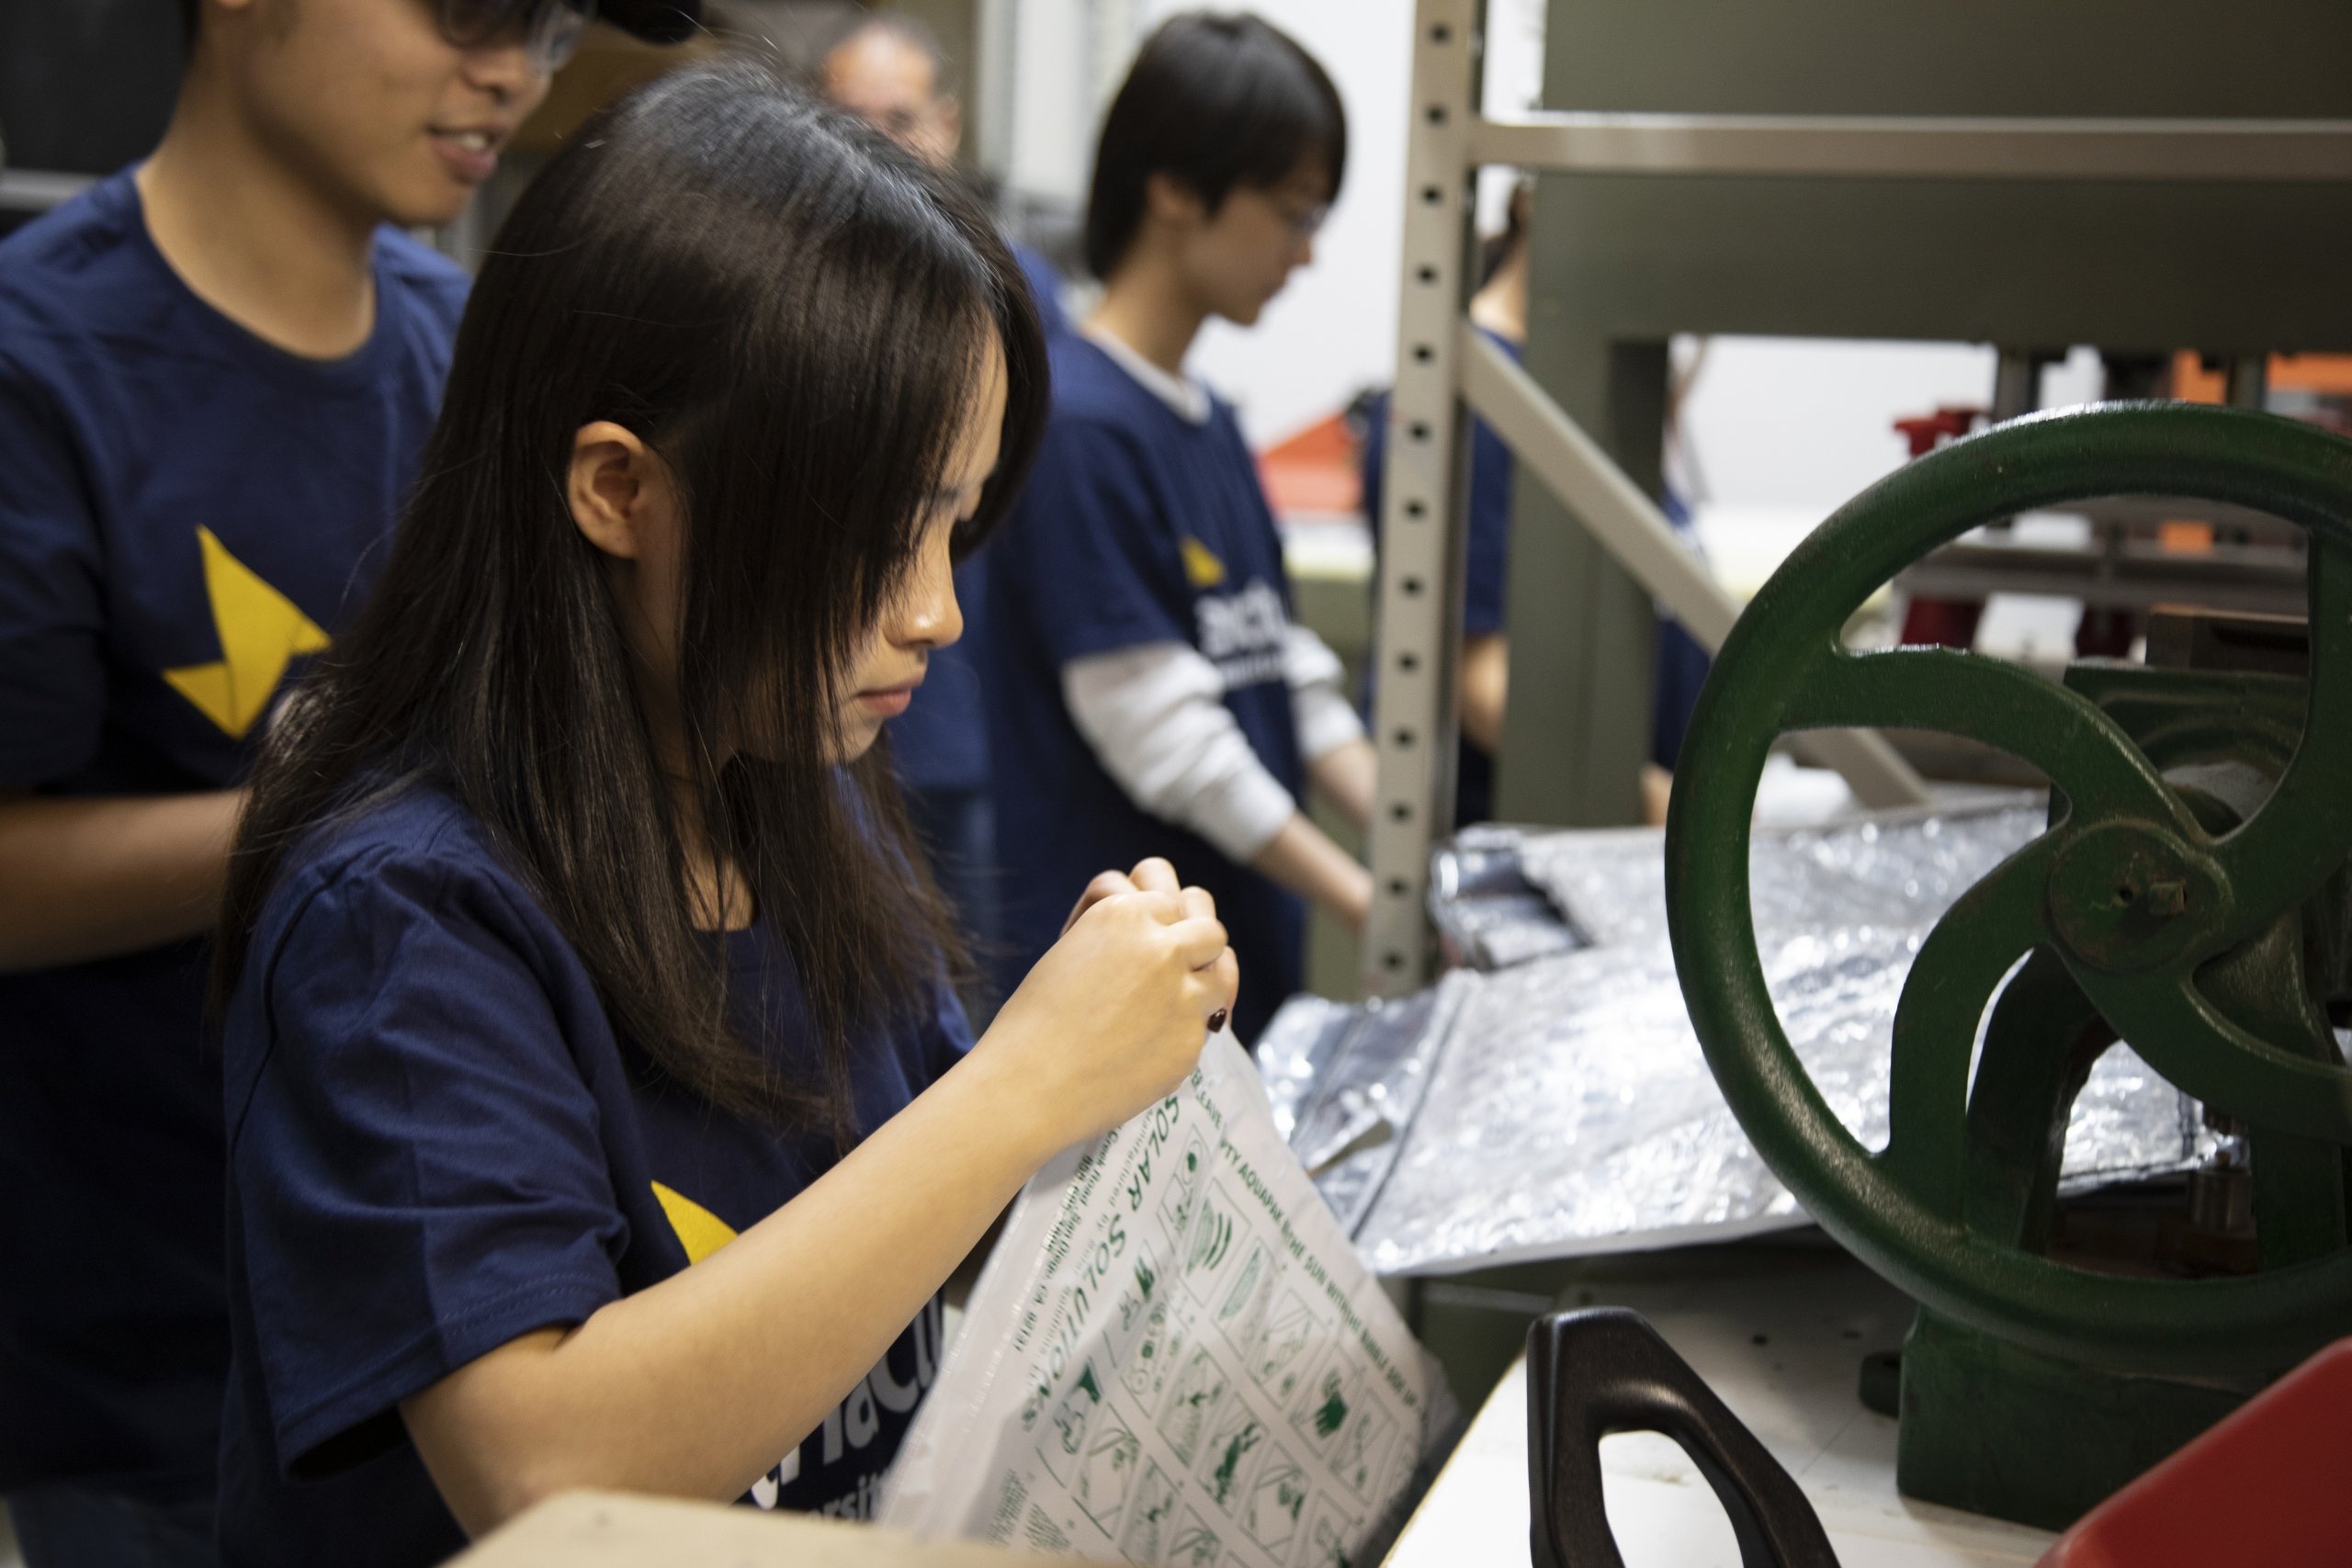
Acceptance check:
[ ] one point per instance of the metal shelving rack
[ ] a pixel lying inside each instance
(1446, 372)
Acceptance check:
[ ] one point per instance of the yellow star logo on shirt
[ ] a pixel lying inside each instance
(261, 631)
(1200, 564)
(700, 1231)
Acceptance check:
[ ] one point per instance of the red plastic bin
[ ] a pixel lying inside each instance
(2271, 1486)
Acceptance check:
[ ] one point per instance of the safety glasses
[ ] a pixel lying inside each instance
(550, 28)
(1305, 222)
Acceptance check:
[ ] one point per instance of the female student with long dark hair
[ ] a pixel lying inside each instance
(599, 1114)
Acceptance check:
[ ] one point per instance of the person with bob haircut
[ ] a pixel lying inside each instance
(600, 1113)
(217, 368)
(1149, 693)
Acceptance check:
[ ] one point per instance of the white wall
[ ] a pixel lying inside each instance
(1043, 94)
(1778, 433)
(1775, 422)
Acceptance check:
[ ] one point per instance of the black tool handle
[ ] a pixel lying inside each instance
(1591, 1373)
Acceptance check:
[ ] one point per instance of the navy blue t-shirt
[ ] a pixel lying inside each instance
(1682, 663)
(1046, 282)
(186, 512)
(1137, 526)
(438, 1143)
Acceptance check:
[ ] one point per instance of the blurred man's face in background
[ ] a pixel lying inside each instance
(889, 81)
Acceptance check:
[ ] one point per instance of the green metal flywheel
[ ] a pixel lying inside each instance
(2142, 903)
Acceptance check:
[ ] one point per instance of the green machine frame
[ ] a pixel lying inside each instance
(2188, 897)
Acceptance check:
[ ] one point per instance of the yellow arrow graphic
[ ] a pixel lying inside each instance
(261, 631)
(701, 1232)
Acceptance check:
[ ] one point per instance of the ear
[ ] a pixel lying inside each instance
(1171, 201)
(618, 488)
(950, 110)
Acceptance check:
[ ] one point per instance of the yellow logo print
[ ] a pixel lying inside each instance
(1202, 568)
(701, 1232)
(260, 631)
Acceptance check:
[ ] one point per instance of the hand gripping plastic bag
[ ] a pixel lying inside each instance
(1175, 1357)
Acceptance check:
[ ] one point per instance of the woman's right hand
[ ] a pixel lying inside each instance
(1114, 1017)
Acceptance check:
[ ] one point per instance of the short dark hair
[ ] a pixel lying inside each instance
(1214, 101)
(793, 312)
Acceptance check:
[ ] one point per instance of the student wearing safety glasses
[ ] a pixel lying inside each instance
(217, 368)
(1151, 695)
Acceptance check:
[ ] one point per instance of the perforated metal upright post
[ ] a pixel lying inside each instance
(1423, 529)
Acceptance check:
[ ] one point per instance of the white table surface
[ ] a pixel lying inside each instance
(1778, 1329)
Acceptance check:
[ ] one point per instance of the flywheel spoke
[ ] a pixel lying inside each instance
(1957, 970)
(1998, 705)
(2177, 1030)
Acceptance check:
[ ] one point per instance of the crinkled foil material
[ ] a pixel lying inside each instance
(1487, 913)
(1894, 869)
(1346, 1083)
(1567, 1108)
(1572, 1111)
(1298, 1040)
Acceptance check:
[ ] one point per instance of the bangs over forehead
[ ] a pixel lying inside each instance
(1214, 102)
(797, 316)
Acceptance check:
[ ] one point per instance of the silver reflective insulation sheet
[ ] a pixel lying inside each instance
(1894, 869)
(1565, 1107)
(1487, 913)
(1346, 1083)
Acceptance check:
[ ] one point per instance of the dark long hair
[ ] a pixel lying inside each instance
(1215, 102)
(794, 315)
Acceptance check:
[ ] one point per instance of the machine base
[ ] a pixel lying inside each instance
(1996, 1429)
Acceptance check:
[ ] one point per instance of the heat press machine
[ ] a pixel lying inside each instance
(2189, 895)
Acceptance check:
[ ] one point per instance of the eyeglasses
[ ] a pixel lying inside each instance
(550, 28)
(1304, 222)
